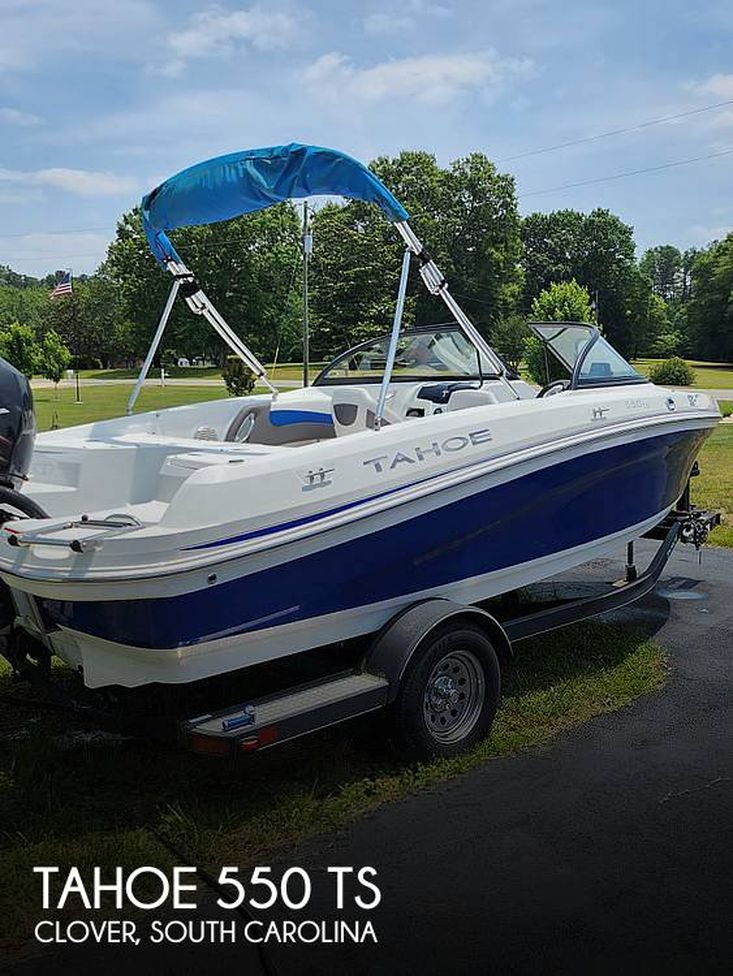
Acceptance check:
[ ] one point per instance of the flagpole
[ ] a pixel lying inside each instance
(75, 327)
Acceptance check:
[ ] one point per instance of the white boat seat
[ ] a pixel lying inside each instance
(354, 409)
(305, 415)
(462, 399)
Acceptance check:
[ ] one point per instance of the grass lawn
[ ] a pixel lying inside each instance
(714, 487)
(57, 407)
(283, 371)
(708, 376)
(90, 805)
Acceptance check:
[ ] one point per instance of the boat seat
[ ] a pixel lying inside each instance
(307, 416)
(463, 399)
(354, 409)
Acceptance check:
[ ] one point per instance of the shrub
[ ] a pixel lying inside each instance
(672, 372)
(239, 380)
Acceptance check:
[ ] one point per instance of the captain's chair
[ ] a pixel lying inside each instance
(462, 399)
(354, 409)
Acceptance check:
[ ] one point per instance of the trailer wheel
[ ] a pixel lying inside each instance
(449, 694)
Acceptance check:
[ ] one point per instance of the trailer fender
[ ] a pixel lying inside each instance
(393, 647)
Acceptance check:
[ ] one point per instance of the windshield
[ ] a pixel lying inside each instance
(441, 353)
(588, 357)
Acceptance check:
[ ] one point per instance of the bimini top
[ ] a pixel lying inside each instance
(243, 182)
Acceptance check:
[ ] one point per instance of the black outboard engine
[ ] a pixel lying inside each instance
(17, 437)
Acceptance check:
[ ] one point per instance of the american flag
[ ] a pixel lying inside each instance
(63, 287)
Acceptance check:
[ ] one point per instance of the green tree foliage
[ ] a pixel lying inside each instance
(711, 307)
(663, 265)
(595, 249)
(19, 346)
(22, 303)
(668, 344)
(89, 322)
(55, 356)
(509, 338)
(466, 216)
(672, 372)
(244, 265)
(563, 301)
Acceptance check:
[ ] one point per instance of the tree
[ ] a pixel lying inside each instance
(244, 265)
(509, 338)
(19, 346)
(22, 303)
(664, 267)
(466, 216)
(711, 306)
(563, 301)
(595, 249)
(89, 322)
(55, 356)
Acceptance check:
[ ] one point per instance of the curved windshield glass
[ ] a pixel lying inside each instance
(442, 353)
(587, 356)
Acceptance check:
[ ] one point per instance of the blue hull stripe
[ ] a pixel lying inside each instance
(569, 504)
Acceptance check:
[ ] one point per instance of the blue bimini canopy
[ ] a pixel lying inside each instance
(243, 182)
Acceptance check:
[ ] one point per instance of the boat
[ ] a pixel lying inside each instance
(180, 544)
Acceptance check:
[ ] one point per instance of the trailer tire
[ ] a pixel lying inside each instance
(448, 695)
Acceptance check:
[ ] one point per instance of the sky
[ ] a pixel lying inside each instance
(100, 100)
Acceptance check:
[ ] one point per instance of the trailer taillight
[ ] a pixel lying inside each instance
(209, 745)
(265, 737)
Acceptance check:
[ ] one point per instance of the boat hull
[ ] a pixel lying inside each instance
(490, 539)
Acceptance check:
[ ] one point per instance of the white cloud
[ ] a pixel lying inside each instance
(218, 32)
(431, 78)
(34, 32)
(13, 116)
(81, 182)
(720, 85)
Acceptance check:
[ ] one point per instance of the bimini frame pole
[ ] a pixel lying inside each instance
(396, 325)
(199, 304)
(437, 285)
(154, 344)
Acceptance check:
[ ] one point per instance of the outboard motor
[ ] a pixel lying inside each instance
(27, 656)
(17, 437)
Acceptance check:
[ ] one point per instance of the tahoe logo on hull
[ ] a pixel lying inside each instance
(451, 445)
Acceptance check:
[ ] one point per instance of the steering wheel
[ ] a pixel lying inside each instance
(557, 386)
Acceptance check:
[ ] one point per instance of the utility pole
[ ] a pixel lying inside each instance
(307, 251)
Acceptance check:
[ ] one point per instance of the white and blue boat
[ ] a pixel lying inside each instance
(190, 542)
